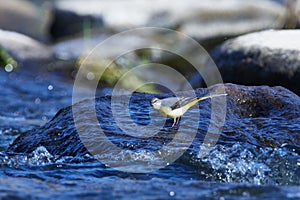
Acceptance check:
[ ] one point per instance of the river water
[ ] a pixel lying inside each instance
(237, 171)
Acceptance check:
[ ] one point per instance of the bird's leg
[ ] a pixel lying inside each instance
(178, 120)
(174, 122)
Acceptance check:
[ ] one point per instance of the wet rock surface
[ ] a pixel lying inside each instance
(260, 116)
(262, 58)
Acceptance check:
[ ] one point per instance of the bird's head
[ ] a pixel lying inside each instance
(156, 103)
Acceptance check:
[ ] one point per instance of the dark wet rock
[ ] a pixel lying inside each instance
(68, 23)
(203, 20)
(261, 116)
(263, 58)
(25, 50)
(24, 17)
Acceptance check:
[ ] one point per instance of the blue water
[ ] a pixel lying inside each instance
(238, 171)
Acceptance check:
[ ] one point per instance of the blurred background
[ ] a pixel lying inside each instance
(58, 35)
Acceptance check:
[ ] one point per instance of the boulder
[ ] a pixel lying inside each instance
(263, 58)
(261, 116)
(25, 50)
(24, 17)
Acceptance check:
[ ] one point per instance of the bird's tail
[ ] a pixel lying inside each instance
(210, 96)
(194, 101)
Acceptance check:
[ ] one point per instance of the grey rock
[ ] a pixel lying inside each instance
(24, 17)
(203, 20)
(75, 48)
(293, 14)
(295, 8)
(25, 50)
(262, 58)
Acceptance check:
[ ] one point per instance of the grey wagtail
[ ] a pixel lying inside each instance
(175, 107)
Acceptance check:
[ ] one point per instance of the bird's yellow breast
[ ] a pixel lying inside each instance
(164, 111)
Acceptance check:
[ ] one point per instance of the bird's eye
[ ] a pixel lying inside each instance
(154, 100)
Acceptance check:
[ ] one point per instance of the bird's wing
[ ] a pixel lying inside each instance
(178, 102)
(182, 101)
(168, 102)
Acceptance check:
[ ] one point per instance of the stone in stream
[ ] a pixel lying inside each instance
(262, 116)
(262, 58)
(25, 50)
(203, 20)
(24, 17)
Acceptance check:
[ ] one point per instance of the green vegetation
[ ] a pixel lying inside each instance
(6, 59)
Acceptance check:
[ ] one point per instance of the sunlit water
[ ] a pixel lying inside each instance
(235, 171)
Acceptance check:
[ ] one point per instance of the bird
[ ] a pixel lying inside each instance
(175, 107)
